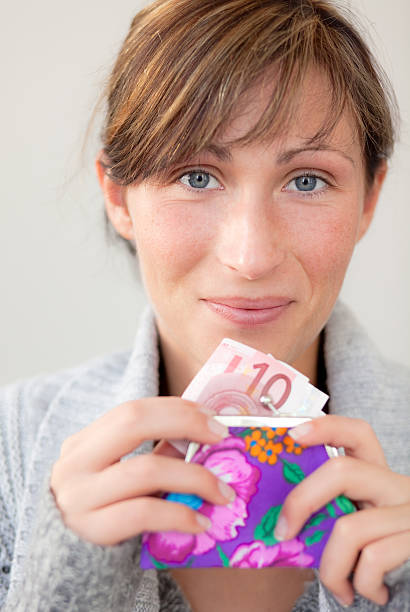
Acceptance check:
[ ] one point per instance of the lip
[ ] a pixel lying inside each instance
(248, 312)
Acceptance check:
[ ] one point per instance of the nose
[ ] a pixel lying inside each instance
(250, 240)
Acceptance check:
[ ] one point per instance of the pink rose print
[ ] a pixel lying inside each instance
(228, 461)
(285, 554)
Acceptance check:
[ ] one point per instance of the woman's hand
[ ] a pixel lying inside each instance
(106, 500)
(370, 542)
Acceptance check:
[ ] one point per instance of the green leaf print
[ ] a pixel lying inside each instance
(345, 504)
(158, 564)
(224, 558)
(244, 433)
(264, 530)
(292, 472)
(316, 520)
(316, 537)
(331, 510)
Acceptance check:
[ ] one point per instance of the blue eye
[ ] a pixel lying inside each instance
(306, 183)
(198, 179)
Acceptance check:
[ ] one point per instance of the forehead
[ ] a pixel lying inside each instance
(311, 110)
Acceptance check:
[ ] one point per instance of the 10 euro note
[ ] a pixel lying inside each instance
(235, 379)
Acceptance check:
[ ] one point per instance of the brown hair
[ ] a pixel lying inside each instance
(185, 64)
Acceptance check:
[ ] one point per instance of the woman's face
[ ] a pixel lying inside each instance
(252, 242)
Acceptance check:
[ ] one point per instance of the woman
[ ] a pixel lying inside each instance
(244, 150)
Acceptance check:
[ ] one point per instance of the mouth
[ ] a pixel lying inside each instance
(247, 312)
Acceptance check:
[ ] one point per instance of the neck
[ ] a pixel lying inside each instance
(307, 362)
(175, 372)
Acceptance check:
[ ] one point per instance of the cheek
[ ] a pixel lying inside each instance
(172, 239)
(325, 243)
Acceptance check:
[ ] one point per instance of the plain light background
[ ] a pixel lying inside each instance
(68, 295)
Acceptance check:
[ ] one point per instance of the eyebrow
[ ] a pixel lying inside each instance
(223, 153)
(287, 156)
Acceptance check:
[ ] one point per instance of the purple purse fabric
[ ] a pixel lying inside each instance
(262, 465)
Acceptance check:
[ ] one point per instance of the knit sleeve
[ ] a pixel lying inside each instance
(399, 599)
(56, 570)
(64, 572)
(23, 406)
(11, 484)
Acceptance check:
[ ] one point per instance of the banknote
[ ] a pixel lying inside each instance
(240, 380)
(237, 376)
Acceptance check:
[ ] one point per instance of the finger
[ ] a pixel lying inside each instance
(351, 534)
(358, 480)
(375, 561)
(125, 427)
(114, 524)
(141, 476)
(114, 415)
(356, 436)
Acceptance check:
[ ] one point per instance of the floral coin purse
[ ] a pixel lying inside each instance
(262, 463)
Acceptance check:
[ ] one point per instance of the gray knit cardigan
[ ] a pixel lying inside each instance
(45, 567)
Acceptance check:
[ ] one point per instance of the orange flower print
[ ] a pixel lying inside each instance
(261, 445)
(274, 433)
(270, 452)
(255, 442)
(292, 446)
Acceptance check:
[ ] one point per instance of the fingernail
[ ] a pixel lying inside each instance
(203, 521)
(226, 490)
(341, 601)
(217, 428)
(281, 529)
(300, 430)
